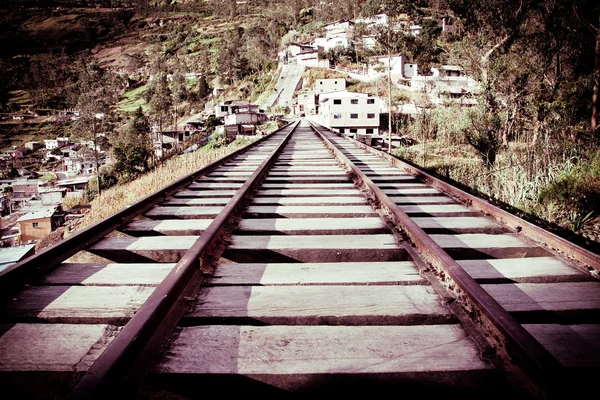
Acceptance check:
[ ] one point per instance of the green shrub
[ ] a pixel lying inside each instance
(575, 195)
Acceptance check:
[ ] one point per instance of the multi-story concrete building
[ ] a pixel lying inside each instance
(330, 85)
(350, 113)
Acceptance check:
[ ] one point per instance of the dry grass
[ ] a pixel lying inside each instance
(119, 197)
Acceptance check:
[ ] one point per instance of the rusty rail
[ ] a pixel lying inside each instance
(538, 359)
(158, 316)
(13, 277)
(590, 259)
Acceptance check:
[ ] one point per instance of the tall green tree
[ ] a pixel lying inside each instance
(132, 149)
(160, 103)
(98, 93)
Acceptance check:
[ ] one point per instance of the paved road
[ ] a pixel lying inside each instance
(287, 83)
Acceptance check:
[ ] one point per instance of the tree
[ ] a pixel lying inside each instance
(132, 150)
(98, 93)
(230, 63)
(159, 99)
(591, 21)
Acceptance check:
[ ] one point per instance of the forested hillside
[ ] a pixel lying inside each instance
(534, 132)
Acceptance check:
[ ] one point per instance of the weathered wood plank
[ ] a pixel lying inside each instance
(108, 274)
(309, 186)
(315, 248)
(525, 270)
(315, 201)
(310, 211)
(314, 171)
(52, 347)
(478, 246)
(424, 191)
(307, 192)
(549, 302)
(305, 179)
(175, 227)
(307, 226)
(459, 225)
(356, 273)
(206, 201)
(205, 193)
(438, 210)
(320, 305)
(291, 350)
(574, 346)
(77, 304)
(422, 199)
(189, 212)
(164, 249)
(199, 185)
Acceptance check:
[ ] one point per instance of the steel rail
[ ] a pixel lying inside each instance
(118, 358)
(544, 365)
(13, 277)
(590, 259)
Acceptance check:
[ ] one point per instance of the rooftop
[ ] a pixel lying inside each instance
(11, 255)
(42, 213)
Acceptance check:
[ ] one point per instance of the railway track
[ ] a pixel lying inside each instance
(306, 263)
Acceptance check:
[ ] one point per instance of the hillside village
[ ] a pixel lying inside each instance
(346, 75)
(32, 203)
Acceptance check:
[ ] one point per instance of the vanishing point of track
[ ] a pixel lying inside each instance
(306, 262)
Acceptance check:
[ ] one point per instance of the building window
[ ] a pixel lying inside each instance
(352, 130)
(369, 130)
(337, 101)
(354, 116)
(354, 101)
(370, 115)
(35, 224)
(337, 116)
(342, 130)
(223, 108)
(370, 101)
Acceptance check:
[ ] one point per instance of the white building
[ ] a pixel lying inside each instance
(57, 143)
(339, 29)
(350, 113)
(449, 83)
(379, 19)
(400, 67)
(329, 85)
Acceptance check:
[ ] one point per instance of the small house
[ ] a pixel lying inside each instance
(57, 143)
(38, 224)
(74, 185)
(33, 146)
(52, 196)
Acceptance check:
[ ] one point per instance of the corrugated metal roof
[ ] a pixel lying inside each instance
(42, 213)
